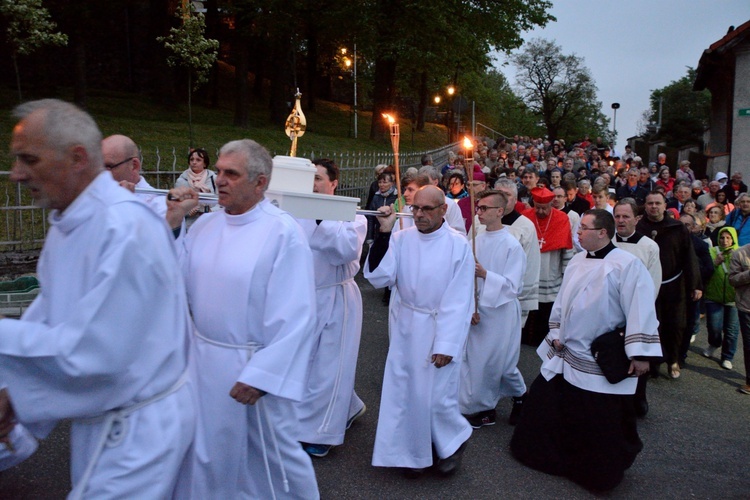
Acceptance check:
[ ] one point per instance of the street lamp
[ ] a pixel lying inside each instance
(615, 107)
(349, 63)
(437, 99)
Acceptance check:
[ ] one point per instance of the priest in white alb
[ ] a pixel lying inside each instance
(105, 344)
(575, 423)
(490, 367)
(330, 404)
(249, 276)
(431, 269)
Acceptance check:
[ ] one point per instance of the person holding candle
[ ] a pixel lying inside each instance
(419, 408)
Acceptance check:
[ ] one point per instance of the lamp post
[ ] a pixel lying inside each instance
(352, 63)
(615, 107)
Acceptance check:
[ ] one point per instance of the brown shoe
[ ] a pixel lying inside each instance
(744, 389)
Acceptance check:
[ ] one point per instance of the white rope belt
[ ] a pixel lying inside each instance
(340, 283)
(433, 313)
(334, 396)
(114, 431)
(670, 280)
(260, 413)
(250, 346)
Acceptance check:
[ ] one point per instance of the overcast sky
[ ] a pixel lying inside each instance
(635, 46)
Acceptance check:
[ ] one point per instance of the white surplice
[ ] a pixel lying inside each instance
(525, 232)
(596, 297)
(108, 331)
(250, 287)
(490, 367)
(336, 248)
(645, 249)
(430, 311)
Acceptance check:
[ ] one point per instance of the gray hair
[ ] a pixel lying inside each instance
(257, 159)
(431, 172)
(66, 125)
(584, 183)
(697, 184)
(508, 184)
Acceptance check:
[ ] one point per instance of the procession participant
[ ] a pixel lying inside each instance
(560, 202)
(556, 247)
(118, 373)
(525, 232)
(647, 251)
(428, 323)
(477, 185)
(452, 216)
(634, 242)
(575, 422)
(324, 412)
(249, 275)
(490, 367)
(681, 279)
(123, 160)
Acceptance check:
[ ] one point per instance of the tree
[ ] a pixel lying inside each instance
(685, 112)
(450, 34)
(29, 28)
(559, 90)
(191, 50)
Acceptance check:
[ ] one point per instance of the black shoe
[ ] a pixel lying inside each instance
(515, 412)
(413, 473)
(641, 407)
(481, 419)
(448, 466)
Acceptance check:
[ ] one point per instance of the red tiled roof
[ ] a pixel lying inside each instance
(730, 36)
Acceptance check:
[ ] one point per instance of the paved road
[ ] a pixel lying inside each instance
(697, 442)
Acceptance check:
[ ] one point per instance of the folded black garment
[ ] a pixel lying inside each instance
(608, 350)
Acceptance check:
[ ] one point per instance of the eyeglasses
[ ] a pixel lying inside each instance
(584, 228)
(112, 167)
(425, 209)
(484, 208)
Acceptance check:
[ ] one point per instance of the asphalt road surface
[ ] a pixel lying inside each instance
(696, 441)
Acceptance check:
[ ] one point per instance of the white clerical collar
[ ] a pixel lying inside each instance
(625, 238)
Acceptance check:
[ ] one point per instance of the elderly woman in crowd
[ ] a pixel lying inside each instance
(716, 215)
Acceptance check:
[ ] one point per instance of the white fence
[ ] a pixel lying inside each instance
(24, 226)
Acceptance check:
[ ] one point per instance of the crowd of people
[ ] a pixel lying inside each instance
(211, 352)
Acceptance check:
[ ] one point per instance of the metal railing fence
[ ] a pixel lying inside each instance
(24, 226)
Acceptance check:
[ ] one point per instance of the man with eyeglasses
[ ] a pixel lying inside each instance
(123, 160)
(490, 368)
(575, 422)
(430, 269)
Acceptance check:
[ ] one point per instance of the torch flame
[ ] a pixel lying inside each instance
(467, 143)
(391, 120)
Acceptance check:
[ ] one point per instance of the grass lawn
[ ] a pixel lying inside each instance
(152, 127)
